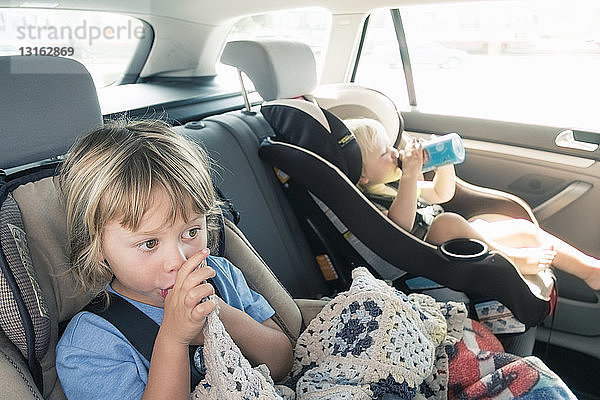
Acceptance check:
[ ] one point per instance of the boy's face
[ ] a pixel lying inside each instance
(145, 262)
(380, 163)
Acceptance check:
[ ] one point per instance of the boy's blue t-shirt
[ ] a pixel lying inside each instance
(95, 361)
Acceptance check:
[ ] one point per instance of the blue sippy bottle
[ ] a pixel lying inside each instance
(443, 150)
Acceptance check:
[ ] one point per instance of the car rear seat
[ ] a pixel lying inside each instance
(267, 220)
(37, 130)
(232, 140)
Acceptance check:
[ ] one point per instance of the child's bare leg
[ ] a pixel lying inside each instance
(516, 234)
(574, 261)
(525, 243)
(448, 226)
(512, 232)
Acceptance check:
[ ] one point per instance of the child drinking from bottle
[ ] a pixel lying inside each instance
(526, 244)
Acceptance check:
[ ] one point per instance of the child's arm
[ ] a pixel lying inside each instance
(261, 343)
(184, 317)
(169, 374)
(441, 188)
(404, 207)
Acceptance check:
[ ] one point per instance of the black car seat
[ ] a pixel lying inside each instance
(52, 101)
(317, 160)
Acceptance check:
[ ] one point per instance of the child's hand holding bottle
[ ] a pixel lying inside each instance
(412, 158)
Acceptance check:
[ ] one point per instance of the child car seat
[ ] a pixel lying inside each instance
(355, 101)
(350, 100)
(53, 100)
(315, 153)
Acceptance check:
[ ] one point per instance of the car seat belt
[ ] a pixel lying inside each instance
(138, 328)
(235, 214)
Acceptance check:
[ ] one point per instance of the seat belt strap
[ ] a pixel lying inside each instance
(137, 327)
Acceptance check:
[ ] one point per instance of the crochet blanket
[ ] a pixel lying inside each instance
(375, 342)
(228, 373)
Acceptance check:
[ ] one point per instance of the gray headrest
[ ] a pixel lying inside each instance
(46, 103)
(279, 69)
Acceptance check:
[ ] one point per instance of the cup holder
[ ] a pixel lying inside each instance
(465, 249)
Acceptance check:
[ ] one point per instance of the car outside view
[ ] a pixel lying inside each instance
(461, 53)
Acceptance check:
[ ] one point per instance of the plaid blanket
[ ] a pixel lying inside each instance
(480, 369)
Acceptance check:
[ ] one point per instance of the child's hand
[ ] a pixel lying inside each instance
(412, 158)
(184, 311)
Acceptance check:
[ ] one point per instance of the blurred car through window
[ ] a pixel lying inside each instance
(528, 61)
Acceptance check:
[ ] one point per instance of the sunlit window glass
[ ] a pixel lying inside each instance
(103, 42)
(524, 61)
(380, 66)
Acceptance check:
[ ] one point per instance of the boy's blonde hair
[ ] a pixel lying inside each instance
(110, 173)
(365, 130)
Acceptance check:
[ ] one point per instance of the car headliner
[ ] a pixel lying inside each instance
(217, 12)
(189, 35)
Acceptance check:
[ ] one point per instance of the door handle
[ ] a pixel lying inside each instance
(578, 140)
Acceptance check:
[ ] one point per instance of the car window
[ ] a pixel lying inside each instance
(308, 25)
(532, 61)
(105, 43)
(380, 66)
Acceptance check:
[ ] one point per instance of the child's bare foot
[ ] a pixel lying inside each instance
(530, 260)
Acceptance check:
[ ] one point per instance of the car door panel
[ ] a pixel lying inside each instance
(499, 132)
(561, 184)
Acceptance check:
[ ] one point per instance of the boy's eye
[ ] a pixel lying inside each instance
(149, 244)
(192, 233)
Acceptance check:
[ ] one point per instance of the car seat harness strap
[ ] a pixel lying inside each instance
(141, 330)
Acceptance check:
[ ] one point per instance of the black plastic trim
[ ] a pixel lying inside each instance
(403, 48)
(363, 35)
(140, 56)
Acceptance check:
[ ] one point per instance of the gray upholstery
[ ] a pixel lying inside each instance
(45, 224)
(232, 141)
(17, 382)
(45, 103)
(261, 279)
(278, 68)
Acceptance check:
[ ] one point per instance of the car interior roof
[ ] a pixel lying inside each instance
(218, 13)
(183, 84)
